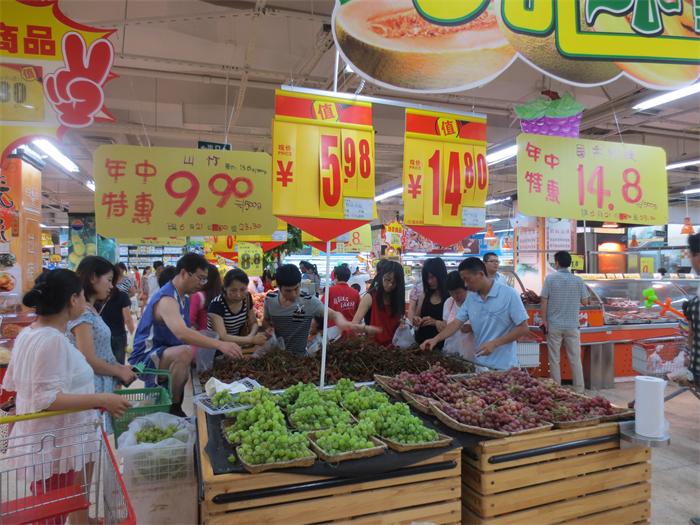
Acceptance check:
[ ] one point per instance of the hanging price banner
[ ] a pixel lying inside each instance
(268, 242)
(356, 241)
(592, 180)
(250, 258)
(445, 175)
(181, 192)
(323, 150)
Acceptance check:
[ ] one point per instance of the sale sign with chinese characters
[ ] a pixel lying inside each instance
(323, 163)
(52, 72)
(181, 192)
(445, 175)
(592, 180)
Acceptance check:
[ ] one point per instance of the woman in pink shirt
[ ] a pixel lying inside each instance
(199, 302)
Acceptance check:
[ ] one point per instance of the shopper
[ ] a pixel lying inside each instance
(167, 275)
(432, 301)
(562, 295)
(231, 314)
(288, 312)
(125, 283)
(461, 342)
(144, 288)
(383, 306)
(200, 301)
(692, 313)
(163, 336)
(310, 272)
(153, 286)
(497, 316)
(90, 334)
(116, 313)
(48, 373)
(413, 298)
(492, 262)
(343, 298)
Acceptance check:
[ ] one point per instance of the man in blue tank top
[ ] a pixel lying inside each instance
(163, 337)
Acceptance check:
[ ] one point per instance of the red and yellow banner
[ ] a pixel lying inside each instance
(181, 192)
(323, 163)
(445, 175)
(592, 180)
(356, 241)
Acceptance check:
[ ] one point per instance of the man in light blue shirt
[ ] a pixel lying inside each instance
(497, 316)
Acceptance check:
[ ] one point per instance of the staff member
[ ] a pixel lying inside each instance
(497, 316)
(342, 298)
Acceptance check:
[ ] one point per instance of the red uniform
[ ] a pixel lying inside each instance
(343, 299)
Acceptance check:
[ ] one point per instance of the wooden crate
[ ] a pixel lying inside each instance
(564, 476)
(432, 496)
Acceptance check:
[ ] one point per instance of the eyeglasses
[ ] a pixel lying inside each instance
(202, 279)
(493, 261)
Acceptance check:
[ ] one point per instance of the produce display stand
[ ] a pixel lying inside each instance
(426, 491)
(579, 475)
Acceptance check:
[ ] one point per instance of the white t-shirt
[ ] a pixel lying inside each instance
(152, 285)
(43, 364)
(458, 343)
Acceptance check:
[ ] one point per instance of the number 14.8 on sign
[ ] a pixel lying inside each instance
(594, 185)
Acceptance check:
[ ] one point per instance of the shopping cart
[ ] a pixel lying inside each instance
(46, 476)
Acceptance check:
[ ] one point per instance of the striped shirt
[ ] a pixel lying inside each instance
(232, 321)
(292, 323)
(564, 292)
(692, 313)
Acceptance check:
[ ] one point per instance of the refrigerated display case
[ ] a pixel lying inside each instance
(688, 284)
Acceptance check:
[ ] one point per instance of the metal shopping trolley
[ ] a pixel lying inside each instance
(67, 467)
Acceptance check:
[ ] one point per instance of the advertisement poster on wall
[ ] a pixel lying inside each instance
(646, 237)
(678, 234)
(82, 239)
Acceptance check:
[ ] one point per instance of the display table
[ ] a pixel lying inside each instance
(426, 491)
(578, 475)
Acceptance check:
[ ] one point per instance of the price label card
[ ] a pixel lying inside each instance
(21, 93)
(181, 192)
(576, 262)
(280, 235)
(250, 258)
(445, 169)
(323, 157)
(473, 217)
(592, 180)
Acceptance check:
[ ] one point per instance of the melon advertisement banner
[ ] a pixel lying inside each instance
(438, 46)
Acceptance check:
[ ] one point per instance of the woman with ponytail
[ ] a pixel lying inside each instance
(48, 373)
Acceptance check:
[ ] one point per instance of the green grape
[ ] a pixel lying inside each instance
(273, 447)
(256, 396)
(222, 398)
(395, 422)
(342, 388)
(155, 434)
(364, 399)
(231, 458)
(290, 395)
(346, 438)
(306, 415)
(264, 416)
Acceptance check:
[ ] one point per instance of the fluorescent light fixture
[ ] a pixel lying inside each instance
(52, 227)
(502, 154)
(492, 220)
(58, 157)
(691, 192)
(387, 194)
(668, 97)
(504, 231)
(90, 185)
(610, 225)
(677, 165)
(495, 201)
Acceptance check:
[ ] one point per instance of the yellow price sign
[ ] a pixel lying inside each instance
(223, 243)
(577, 262)
(592, 180)
(250, 258)
(181, 192)
(646, 264)
(323, 150)
(21, 93)
(358, 240)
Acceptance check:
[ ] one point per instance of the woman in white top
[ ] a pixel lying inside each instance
(460, 343)
(49, 373)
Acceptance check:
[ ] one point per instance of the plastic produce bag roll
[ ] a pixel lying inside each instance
(649, 406)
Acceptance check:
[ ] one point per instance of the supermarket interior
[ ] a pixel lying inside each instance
(349, 261)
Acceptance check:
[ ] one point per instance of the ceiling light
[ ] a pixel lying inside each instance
(387, 194)
(495, 201)
(90, 185)
(504, 231)
(58, 157)
(668, 97)
(52, 227)
(610, 225)
(501, 154)
(691, 192)
(683, 164)
(492, 220)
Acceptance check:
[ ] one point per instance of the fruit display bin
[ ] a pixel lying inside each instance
(579, 475)
(428, 491)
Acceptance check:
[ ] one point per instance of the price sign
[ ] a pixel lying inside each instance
(250, 258)
(444, 173)
(181, 192)
(647, 264)
(21, 93)
(576, 262)
(223, 244)
(323, 150)
(592, 180)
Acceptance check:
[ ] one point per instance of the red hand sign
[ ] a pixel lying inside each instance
(76, 91)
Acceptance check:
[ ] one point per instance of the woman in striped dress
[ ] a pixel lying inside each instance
(231, 313)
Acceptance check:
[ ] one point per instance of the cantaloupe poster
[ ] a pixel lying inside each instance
(444, 46)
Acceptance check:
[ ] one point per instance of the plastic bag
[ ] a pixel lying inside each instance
(167, 460)
(404, 337)
(271, 344)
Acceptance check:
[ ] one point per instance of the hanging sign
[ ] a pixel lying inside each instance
(152, 241)
(250, 258)
(437, 46)
(323, 163)
(268, 242)
(52, 73)
(592, 180)
(646, 264)
(181, 192)
(576, 262)
(393, 234)
(445, 175)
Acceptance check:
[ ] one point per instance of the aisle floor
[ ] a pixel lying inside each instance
(675, 493)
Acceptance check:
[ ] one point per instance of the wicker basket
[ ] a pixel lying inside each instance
(377, 450)
(420, 403)
(441, 441)
(306, 461)
(383, 382)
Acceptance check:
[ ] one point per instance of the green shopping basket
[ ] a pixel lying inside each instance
(145, 400)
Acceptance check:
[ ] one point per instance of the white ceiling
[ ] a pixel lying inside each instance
(190, 69)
